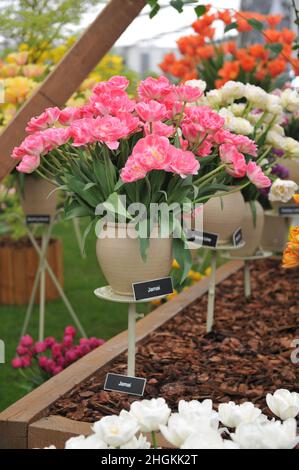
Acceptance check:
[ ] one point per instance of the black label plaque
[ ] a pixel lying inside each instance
(38, 219)
(155, 288)
(203, 238)
(238, 237)
(125, 384)
(288, 210)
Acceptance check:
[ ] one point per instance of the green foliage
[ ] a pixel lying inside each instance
(39, 23)
(178, 5)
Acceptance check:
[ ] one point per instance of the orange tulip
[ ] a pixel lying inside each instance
(276, 67)
(296, 198)
(287, 36)
(271, 35)
(274, 20)
(258, 51)
(230, 70)
(248, 63)
(291, 256)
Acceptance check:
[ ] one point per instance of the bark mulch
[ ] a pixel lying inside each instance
(245, 357)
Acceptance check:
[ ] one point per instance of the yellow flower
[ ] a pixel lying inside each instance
(19, 58)
(196, 276)
(18, 89)
(171, 296)
(156, 302)
(175, 264)
(208, 271)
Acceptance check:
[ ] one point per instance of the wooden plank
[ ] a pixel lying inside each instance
(70, 72)
(56, 430)
(15, 419)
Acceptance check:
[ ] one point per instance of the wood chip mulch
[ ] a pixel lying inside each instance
(247, 355)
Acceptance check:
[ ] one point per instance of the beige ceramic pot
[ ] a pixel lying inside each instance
(275, 233)
(120, 259)
(223, 215)
(252, 232)
(34, 197)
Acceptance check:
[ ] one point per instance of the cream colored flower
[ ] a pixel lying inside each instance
(116, 431)
(201, 84)
(232, 91)
(282, 190)
(256, 96)
(214, 98)
(290, 100)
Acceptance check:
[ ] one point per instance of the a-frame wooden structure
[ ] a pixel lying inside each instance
(70, 72)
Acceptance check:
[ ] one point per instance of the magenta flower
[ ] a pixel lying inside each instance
(26, 341)
(17, 363)
(40, 347)
(70, 330)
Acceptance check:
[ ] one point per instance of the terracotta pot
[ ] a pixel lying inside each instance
(34, 197)
(252, 233)
(293, 166)
(223, 215)
(18, 265)
(120, 259)
(275, 233)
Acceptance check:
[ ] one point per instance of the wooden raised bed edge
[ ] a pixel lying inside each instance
(25, 425)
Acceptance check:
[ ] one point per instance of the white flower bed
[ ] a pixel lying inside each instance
(197, 425)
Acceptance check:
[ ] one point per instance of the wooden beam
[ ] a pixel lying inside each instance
(70, 72)
(15, 420)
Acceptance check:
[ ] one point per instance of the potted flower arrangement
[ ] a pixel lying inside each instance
(250, 111)
(114, 154)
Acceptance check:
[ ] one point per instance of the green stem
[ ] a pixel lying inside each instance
(209, 175)
(154, 440)
(225, 193)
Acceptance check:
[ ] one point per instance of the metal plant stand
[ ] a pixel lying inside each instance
(40, 280)
(106, 293)
(247, 259)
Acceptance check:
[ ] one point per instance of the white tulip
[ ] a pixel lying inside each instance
(232, 91)
(194, 409)
(209, 439)
(283, 403)
(50, 448)
(150, 414)
(274, 104)
(201, 84)
(177, 430)
(116, 430)
(275, 139)
(282, 191)
(214, 98)
(290, 100)
(232, 415)
(137, 443)
(82, 442)
(235, 124)
(291, 147)
(238, 109)
(268, 435)
(256, 96)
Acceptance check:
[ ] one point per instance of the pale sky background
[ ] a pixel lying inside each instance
(144, 29)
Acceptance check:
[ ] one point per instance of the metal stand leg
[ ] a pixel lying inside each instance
(211, 298)
(247, 282)
(131, 339)
(42, 291)
(78, 234)
(40, 278)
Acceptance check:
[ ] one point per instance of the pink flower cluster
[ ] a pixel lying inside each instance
(155, 152)
(163, 118)
(51, 356)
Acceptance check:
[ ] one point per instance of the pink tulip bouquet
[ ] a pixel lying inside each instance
(162, 147)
